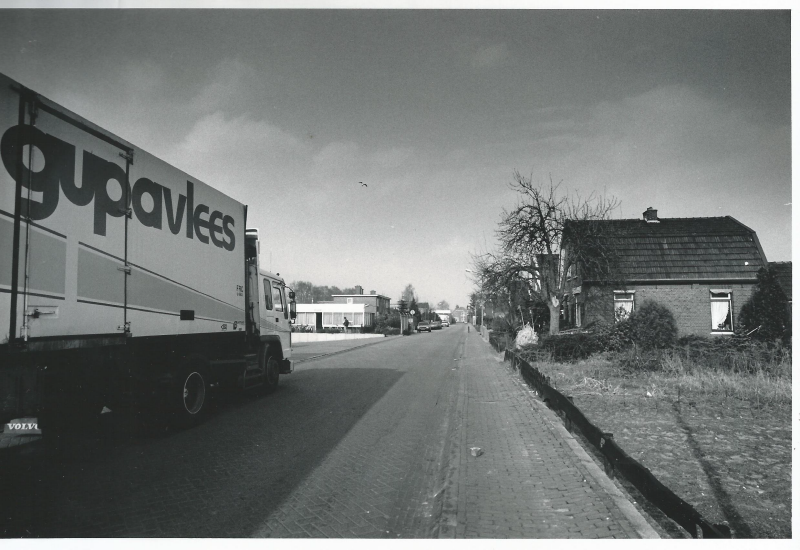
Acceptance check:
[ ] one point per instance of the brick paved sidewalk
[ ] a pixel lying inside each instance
(533, 479)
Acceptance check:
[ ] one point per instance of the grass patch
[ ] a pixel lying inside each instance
(713, 425)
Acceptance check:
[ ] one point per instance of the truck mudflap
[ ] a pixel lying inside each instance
(286, 366)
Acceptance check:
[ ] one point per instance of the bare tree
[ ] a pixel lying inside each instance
(409, 293)
(544, 240)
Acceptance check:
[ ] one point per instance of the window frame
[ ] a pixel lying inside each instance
(631, 301)
(719, 299)
(280, 305)
(267, 295)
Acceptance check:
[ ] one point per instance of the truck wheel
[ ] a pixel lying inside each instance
(190, 394)
(272, 369)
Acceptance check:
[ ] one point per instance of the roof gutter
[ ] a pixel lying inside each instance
(732, 280)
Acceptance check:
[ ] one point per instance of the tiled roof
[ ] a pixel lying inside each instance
(684, 248)
(783, 271)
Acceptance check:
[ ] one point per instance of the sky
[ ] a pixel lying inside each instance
(288, 111)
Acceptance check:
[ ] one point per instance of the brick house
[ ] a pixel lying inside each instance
(703, 269)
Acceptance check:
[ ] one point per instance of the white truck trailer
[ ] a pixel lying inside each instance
(122, 278)
(444, 315)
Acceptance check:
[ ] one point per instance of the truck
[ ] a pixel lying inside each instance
(124, 281)
(444, 316)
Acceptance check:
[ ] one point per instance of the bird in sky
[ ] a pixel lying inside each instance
(363, 184)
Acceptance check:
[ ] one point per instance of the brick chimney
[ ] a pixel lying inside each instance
(650, 215)
(359, 289)
(372, 292)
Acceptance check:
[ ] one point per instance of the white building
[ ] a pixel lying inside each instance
(329, 314)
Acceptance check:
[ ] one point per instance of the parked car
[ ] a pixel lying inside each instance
(424, 325)
(436, 325)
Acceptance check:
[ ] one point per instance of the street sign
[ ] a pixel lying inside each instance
(412, 312)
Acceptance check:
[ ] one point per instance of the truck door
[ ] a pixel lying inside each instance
(66, 183)
(253, 306)
(283, 322)
(275, 314)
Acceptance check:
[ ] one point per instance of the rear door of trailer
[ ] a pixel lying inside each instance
(63, 194)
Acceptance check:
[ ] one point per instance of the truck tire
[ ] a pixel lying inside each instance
(189, 397)
(272, 368)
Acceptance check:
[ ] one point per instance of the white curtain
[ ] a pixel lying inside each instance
(720, 315)
(622, 309)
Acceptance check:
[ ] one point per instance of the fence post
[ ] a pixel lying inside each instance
(567, 419)
(608, 464)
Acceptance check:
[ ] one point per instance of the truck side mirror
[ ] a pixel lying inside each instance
(292, 306)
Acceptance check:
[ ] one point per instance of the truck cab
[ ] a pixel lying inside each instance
(270, 308)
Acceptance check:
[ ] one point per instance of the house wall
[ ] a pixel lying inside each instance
(381, 303)
(689, 303)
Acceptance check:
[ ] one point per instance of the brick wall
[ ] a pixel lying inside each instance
(690, 304)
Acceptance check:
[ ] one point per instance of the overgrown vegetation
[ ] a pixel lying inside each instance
(646, 346)
(766, 316)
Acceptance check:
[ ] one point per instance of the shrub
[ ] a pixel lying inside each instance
(569, 347)
(616, 337)
(737, 355)
(639, 359)
(766, 314)
(653, 326)
(503, 324)
(501, 340)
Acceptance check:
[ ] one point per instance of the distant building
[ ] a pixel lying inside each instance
(330, 315)
(460, 314)
(379, 301)
(360, 310)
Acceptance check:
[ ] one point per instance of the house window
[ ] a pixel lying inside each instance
(577, 312)
(721, 311)
(358, 318)
(338, 318)
(327, 318)
(349, 300)
(623, 305)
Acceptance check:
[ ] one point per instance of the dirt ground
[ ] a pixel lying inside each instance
(730, 459)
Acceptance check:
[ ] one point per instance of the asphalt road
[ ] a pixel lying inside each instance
(350, 445)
